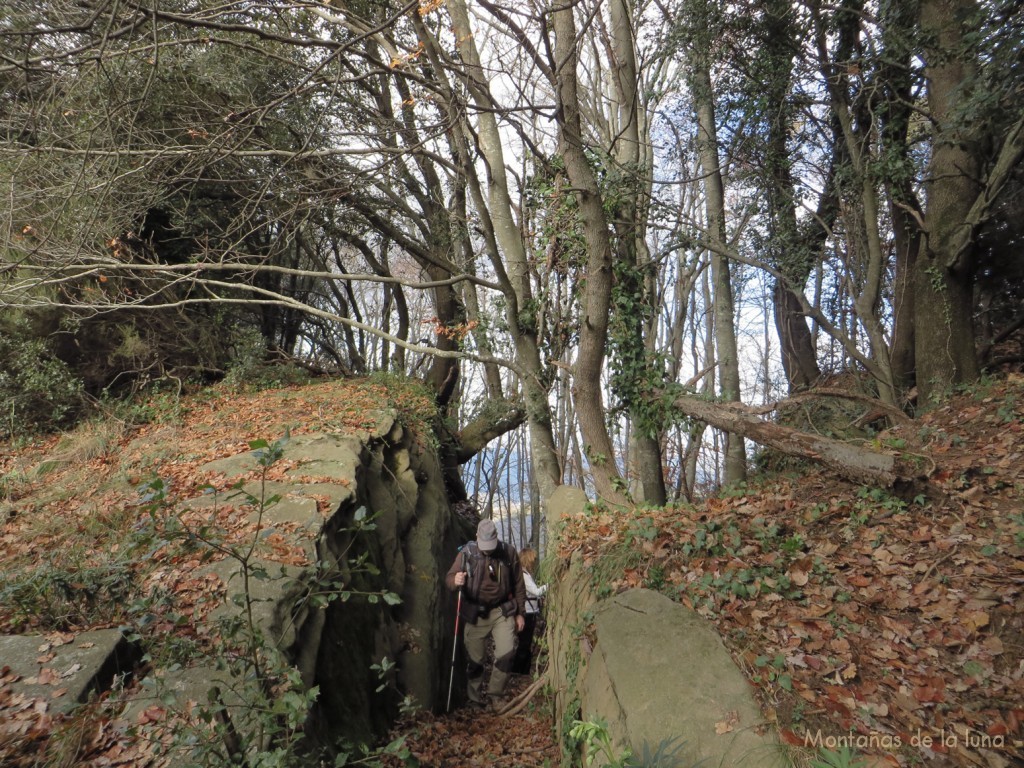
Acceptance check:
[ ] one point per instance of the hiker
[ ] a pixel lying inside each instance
(493, 605)
(523, 661)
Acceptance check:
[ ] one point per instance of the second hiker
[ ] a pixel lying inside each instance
(522, 664)
(493, 605)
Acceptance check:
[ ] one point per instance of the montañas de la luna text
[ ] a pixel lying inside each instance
(888, 741)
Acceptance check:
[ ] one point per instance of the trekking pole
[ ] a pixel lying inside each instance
(455, 648)
(455, 635)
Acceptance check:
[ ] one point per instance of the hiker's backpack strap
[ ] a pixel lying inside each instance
(501, 552)
(471, 564)
(473, 561)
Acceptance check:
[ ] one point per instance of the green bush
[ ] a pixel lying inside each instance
(38, 389)
(249, 369)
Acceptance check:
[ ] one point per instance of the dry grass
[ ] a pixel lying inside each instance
(92, 440)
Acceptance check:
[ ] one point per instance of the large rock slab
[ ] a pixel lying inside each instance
(357, 518)
(658, 672)
(65, 669)
(371, 513)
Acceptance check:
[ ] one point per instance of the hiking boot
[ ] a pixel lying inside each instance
(498, 703)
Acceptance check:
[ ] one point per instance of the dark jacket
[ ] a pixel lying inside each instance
(481, 588)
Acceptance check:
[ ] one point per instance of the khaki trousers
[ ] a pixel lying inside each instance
(503, 630)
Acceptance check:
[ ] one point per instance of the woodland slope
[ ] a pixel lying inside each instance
(891, 624)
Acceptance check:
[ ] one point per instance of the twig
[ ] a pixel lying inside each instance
(937, 563)
(520, 701)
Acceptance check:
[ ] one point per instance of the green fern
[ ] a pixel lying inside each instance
(843, 758)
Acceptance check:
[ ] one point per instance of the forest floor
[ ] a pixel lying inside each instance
(474, 738)
(889, 622)
(893, 622)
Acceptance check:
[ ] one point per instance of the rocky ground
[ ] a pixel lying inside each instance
(887, 620)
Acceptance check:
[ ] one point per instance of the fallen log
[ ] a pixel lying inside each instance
(853, 462)
(895, 415)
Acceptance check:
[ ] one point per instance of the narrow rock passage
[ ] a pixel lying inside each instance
(471, 737)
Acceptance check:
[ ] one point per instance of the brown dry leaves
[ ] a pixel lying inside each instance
(469, 738)
(90, 499)
(857, 612)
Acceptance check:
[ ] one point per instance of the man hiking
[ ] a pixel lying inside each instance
(493, 605)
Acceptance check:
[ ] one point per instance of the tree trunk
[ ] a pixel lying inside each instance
(443, 375)
(597, 292)
(852, 462)
(714, 192)
(799, 360)
(944, 330)
(499, 210)
(867, 258)
(470, 300)
(944, 351)
(907, 244)
(895, 74)
(629, 149)
(791, 254)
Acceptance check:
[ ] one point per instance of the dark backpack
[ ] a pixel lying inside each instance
(473, 561)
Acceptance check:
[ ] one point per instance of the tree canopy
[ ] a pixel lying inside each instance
(591, 229)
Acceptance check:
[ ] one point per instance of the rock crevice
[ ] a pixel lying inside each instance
(370, 513)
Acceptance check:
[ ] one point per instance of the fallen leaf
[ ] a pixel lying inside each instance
(927, 694)
(877, 708)
(976, 620)
(798, 577)
(791, 738)
(152, 714)
(993, 645)
(732, 719)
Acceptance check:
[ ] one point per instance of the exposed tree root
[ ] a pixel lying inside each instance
(519, 702)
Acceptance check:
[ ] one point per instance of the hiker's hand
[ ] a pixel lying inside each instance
(520, 623)
(460, 578)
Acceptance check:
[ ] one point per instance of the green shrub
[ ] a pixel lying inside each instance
(249, 368)
(38, 389)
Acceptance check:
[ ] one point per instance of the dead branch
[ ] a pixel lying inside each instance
(520, 701)
(853, 462)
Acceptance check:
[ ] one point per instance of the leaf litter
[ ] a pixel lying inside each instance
(854, 613)
(893, 622)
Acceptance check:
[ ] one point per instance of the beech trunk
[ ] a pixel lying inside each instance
(852, 462)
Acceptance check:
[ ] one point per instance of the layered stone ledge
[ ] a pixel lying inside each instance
(655, 671)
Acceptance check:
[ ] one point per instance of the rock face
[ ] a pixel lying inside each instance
(385, 478)
(371, 514)
(64, 670)
(656, 672)
(661, 672)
